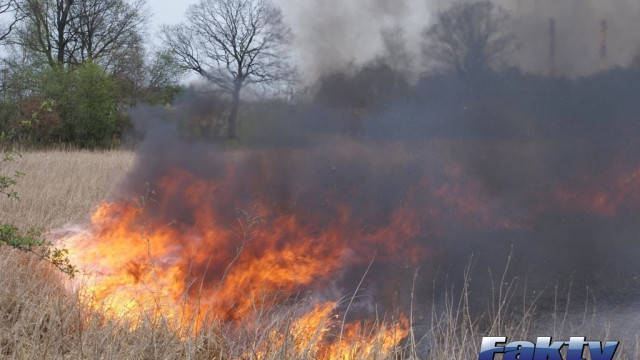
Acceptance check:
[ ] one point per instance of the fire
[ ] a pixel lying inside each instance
(229, 269)
(364, 340)
(222, 247)
(607, 195)
(321, 334)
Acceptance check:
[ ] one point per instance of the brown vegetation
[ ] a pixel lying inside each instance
(61, 187)
(42, 316)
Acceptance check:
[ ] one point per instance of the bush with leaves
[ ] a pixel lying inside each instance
(39, 123)
(30, 241)
(85, 101)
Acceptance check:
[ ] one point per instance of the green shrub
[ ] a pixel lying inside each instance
(84, 100)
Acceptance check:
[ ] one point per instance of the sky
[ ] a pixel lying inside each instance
(334, 19)
(334, 34)
(166, 12)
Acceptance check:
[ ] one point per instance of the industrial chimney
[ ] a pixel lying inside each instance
(603, 45)
(552, 47)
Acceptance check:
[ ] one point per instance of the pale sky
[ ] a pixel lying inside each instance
(308, 19)
(166, 12)
(334, 34)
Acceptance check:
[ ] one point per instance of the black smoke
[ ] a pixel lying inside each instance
(504, 164)
(495, 164)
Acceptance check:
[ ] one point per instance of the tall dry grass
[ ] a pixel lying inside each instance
(43, 317)
(60, 187)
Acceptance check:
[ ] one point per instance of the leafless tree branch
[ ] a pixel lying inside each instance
(69, 32)
(232, 43)
(469, 37)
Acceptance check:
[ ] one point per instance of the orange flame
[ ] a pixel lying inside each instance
(178, 253)
(607, 194)
(321, 334)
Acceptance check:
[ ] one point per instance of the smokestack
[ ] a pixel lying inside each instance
(603, 45)
(552, 47)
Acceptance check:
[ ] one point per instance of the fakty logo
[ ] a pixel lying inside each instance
(546, 349)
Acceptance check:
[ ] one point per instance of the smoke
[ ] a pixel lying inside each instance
(329, 35)
(578, 34)
(442, 173)
(428, 174)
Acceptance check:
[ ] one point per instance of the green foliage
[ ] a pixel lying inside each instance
(8, 114)
(164, 95)
(33, 243)
(95, 113)
(164, 75)
(81, 104)
(8, 181)
(39, 122)
(30, 241)
(84, 100)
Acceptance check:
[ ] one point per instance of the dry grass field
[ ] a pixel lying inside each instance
(61, 187)
(43, 317)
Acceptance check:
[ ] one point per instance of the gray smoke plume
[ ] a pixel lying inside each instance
(578, 25)
(480, 167)
(333, 34)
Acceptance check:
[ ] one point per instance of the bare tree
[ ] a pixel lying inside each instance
(395, 49)
(68, 32)
(147, 76)
(107, 28)
(163, 71)
(47, 28)
(469, 37)
(232, 43)
(12, 17)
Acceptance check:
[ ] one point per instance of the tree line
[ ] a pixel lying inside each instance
(72, 68)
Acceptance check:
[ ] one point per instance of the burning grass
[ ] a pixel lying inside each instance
(44, 316)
